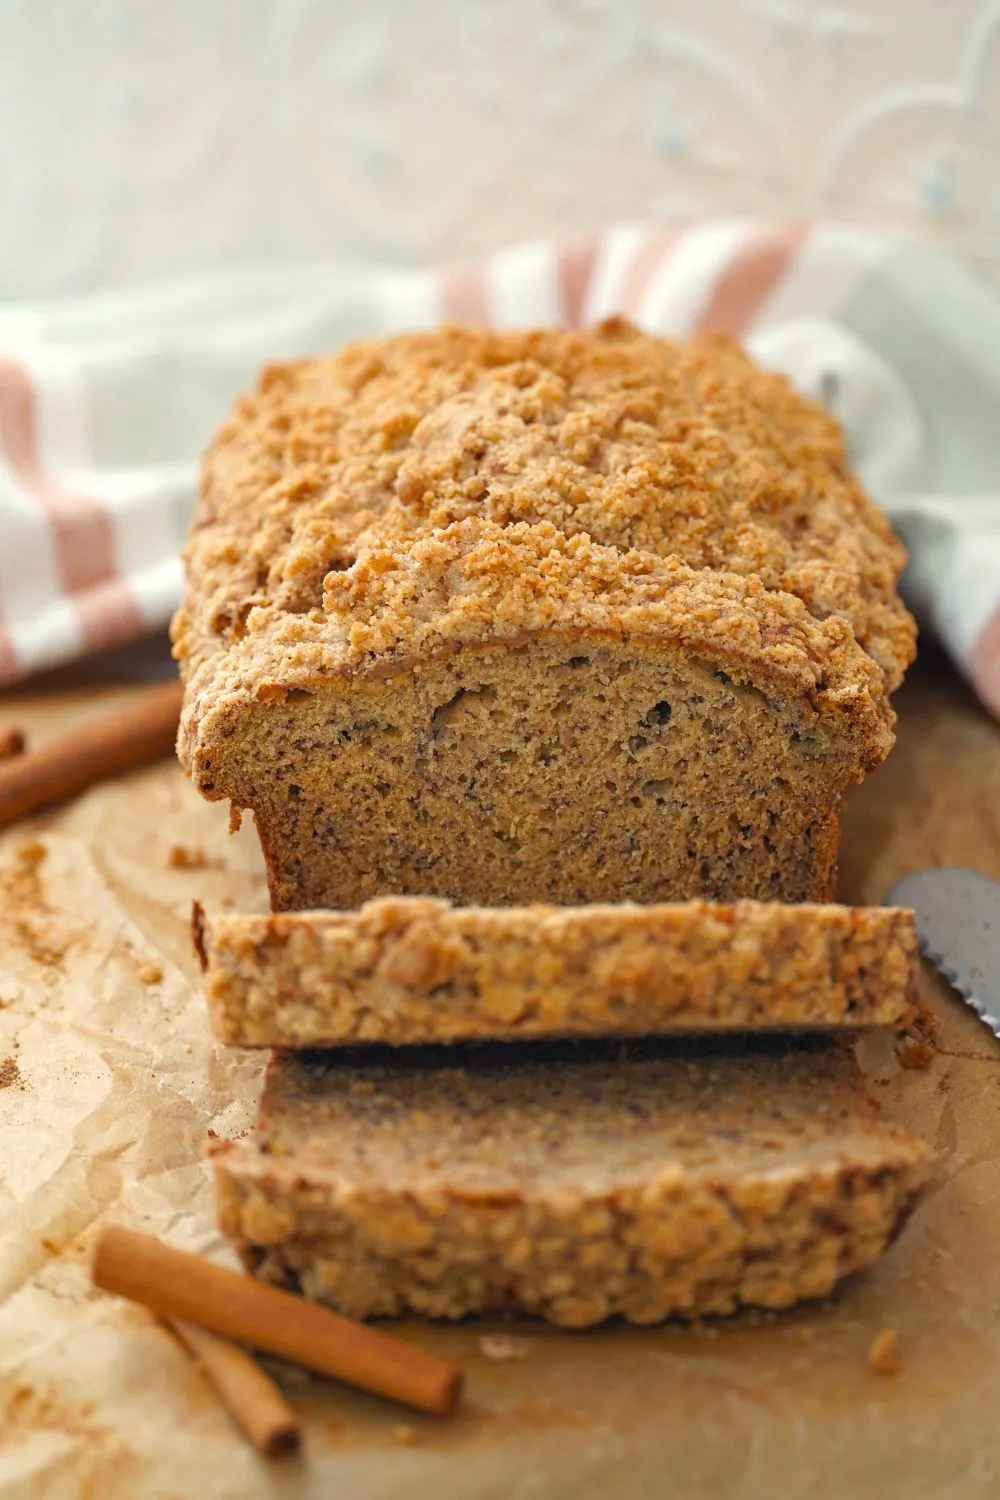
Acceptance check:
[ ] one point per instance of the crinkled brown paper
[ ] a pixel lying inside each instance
(109, 1082)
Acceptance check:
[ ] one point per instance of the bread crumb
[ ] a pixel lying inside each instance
(181, 857)
(25, 910)
(883, 1354)
(913, 1054)
(32, 853)
(501, 1346)
(39, 947)
(404, 1434)
(917, 1043)
(12, 742)
(10, 1074)
(150, 973)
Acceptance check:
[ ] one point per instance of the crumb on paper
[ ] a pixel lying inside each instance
(501, 1346)
(38, 945)
(24, 909)
(150, 973)
(28, 1409)
(51, 1248)
(186, 857)
(916, 1044)
(883, 1353)
(10, 1074)
(12, 742)
(914, 1054)
(404, 1434)
(31, 853)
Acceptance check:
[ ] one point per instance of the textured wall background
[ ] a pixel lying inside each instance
(140, 138)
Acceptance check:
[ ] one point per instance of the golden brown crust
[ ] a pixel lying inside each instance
(651, 450)
(642, 1186)
(405, 970)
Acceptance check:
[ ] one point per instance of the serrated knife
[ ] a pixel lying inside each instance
(958, 925)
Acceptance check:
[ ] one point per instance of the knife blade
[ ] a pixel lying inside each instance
(958, 926)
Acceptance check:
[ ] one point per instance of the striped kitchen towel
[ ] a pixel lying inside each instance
(107, 400)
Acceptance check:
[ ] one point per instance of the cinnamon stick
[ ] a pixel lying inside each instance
(141, 731)
(177, 1285)
(12, 742)
(250, 1396)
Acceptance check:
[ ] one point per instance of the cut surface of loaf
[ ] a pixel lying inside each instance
(555, 615)
(407, 970)
(640, 1186)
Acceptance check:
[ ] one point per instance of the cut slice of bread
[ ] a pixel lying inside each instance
(642, 1185)
(412, 970)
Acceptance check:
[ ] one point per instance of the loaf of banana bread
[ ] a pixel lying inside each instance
(406, 969)
(643, 1186)
(560, 616)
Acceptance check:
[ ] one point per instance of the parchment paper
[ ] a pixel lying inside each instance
(111, 1081)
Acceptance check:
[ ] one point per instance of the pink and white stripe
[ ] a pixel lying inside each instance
(70, 538)
(677, 281)
(984, 663)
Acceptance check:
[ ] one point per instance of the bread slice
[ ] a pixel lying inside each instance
(411, 970)
(642, 1185)
(554, 616)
